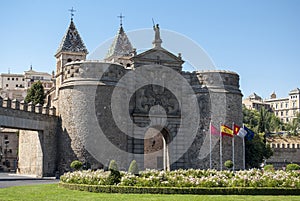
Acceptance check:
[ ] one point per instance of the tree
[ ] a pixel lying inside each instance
(294, 126)
(35, 94)
(264, 121)
(256, 149)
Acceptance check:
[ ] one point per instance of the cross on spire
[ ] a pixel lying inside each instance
(121, 17)
(72, 11)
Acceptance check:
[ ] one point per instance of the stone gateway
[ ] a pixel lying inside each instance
(140, 106)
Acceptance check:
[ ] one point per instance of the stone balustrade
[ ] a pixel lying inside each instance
(28, 107)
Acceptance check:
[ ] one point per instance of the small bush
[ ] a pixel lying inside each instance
(292, 166)
(268, 168)
(113, 165)
(228, 164)
(114, 177)
(76, 165)
(133, 168)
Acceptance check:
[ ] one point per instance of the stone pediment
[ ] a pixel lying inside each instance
(158, 56)
(159, 53)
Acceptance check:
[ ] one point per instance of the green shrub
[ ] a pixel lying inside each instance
(228, 164)
(76, 165)
(114, 177)
(268, 168)
(292, 166)
(133, 168)
(182, 190)
(113, 165)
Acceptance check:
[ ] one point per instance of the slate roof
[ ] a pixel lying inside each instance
(121, 45)
(72, 41)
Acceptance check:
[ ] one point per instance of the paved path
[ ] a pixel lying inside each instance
(7, 180)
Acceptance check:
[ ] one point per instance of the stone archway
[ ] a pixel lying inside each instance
(156, 149)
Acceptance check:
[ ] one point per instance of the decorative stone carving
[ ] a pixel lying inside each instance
(152, 95)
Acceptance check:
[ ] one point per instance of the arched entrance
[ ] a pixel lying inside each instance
(156, 149)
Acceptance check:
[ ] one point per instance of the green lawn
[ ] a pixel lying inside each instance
(53, 192)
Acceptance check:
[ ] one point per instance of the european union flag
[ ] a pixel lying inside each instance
(250, 133)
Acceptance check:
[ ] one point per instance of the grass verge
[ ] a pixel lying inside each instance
(54, 192)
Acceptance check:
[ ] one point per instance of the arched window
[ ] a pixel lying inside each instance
(128, 65)
(69, 60)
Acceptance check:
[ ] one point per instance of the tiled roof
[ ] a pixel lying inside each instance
(121, 45)
(72, 41)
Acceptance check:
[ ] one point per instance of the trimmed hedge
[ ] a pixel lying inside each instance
(182, 190)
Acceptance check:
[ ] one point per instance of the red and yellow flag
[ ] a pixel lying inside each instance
(225, 130)
(236, 129)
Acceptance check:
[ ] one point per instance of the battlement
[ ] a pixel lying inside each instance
(28, 107)
(284, 146)
(94, 69)
(214, 80)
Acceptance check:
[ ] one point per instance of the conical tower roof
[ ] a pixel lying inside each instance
(72, 41)
(121, 45)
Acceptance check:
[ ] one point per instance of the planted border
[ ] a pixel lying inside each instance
(181, 190)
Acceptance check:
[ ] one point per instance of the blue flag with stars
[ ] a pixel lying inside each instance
(250, 133)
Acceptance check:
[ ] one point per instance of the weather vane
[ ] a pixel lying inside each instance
(121, 17)
(72, 11)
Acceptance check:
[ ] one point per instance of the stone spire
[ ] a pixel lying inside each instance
(157, 40)
(121, 45)
(72, 41)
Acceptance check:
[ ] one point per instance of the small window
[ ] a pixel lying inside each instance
(281, 113)
(286, 105)
(287, 119)
(69, 60)
(17, 85)
(281, 105)
(8, 78)
(5, 137)
(13, 78)
(128, 65)
(6, 85)
(17, 78)
(287, 113)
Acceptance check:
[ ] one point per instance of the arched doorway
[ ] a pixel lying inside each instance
(156, 149)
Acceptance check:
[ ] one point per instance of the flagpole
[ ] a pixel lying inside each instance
(232, 141)
(210, 145)
(244, 151)
(221, 165)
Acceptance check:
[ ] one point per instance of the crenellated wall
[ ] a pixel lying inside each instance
(283, 154)
(37, 137)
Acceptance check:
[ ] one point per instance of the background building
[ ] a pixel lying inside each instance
(255, 102)
(284, 108)
(15, 86)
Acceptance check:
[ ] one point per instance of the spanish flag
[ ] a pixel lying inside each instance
(225, 130)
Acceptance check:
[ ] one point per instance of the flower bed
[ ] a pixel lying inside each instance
(190, 178)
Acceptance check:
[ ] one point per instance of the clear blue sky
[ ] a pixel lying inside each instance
(258, 39)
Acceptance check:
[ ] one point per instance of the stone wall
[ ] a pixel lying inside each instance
(38, 127)
(85, 109)
(284, 154)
